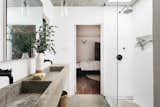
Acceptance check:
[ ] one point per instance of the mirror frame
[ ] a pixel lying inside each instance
(4, 30)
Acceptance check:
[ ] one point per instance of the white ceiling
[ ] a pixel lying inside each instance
(93, 2)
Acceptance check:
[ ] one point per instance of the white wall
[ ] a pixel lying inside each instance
(117, 70)
(143, 60)
(135, 71)
(66, 36)
(86, 51)
(26, 16)
(20, 69)
(125, 48)
(109, 64)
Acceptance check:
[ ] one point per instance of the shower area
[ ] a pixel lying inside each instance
(129, 32)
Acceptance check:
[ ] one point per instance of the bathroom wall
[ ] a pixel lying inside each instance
(136, 69)
(117, 70)
(142, 67)
(125, 48)
(20, 69)
(109, 64)
(29, 16)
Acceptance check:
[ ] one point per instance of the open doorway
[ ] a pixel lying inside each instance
(88, 59)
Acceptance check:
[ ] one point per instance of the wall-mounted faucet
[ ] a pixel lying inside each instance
(47, 60)
(8, 73)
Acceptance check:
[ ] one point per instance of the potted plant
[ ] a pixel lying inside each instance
(44, 42)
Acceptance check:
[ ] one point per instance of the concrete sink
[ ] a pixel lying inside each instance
(23, 93)
(56, 68)
(34, 86)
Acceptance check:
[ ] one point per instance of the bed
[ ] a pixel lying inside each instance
(91, 66)
(88, 67)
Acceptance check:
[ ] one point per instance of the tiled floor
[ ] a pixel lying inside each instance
(95, 101)
(127, 104)
(87, 86)
(87, 101)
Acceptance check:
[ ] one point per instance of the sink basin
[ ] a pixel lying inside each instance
(34, 86)
(56, 68)
(23, 93)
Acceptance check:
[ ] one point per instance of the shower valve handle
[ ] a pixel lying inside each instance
(119, 57)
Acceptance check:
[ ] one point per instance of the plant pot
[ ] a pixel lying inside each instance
(39, 62)
(25, 55)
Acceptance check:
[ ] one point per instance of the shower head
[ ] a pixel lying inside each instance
(128, 10)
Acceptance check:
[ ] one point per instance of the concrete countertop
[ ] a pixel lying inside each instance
(51, 96)
(12, 96)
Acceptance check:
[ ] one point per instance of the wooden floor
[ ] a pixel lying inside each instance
(87, 86)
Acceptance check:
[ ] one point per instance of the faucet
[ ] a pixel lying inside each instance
(47, 60)
(8, 73)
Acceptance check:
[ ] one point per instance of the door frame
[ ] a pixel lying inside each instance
(101, 57)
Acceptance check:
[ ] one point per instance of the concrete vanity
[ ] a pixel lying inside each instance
(36, 93)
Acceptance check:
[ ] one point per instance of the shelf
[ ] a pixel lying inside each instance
(144, 40)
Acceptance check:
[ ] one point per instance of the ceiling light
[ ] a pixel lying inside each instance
(64, 9)
(24, 8)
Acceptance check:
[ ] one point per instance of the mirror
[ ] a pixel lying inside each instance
(24, 17)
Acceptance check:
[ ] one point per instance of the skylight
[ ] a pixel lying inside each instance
(119, 0)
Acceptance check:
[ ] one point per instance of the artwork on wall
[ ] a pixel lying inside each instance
(97, 51)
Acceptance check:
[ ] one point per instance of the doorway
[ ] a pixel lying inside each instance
(88, 59)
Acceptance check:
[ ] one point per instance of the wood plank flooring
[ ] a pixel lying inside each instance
(87, 86)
